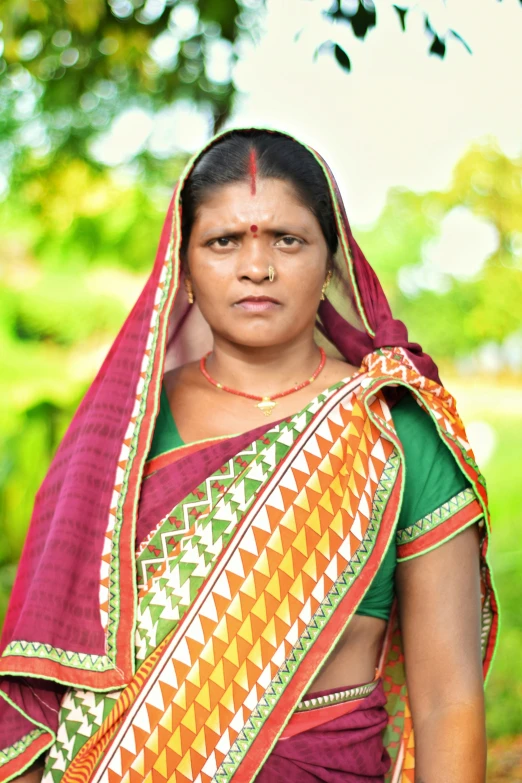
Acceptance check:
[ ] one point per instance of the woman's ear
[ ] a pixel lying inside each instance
(330, 266)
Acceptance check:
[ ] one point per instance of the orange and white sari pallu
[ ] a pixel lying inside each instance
(215, 695)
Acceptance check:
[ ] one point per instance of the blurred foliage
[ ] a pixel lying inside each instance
(496, 404)
(69, 68)
(454, 314)
(504, 694)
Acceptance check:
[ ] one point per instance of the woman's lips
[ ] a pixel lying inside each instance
(257, 305)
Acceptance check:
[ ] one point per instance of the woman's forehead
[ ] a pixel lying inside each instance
(274, 199)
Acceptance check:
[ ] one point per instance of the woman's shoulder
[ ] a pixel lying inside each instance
(432, 473)
(416, 429)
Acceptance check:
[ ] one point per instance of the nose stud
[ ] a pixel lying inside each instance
(271, 273)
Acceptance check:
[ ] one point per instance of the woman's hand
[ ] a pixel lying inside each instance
(439, 604)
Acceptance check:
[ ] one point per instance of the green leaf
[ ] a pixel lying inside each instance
(401, 13)
(342, 58)
(461, 39)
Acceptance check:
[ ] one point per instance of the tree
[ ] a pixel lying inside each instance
(69, 68)
(361, 16)
(452, 311)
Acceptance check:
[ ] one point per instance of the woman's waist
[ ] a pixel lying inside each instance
(323, 706)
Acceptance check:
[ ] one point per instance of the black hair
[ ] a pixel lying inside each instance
(278, 157)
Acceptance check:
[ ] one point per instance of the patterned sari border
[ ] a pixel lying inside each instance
(14, 750)
(435, 518)
(434, 538)
(66, 658)
(384, 364)
(339, 592)
(16, 759)
(258, 506)
(382, 504)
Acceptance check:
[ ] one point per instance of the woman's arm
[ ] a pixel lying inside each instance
(439, 604)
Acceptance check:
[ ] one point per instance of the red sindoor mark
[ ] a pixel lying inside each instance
(253, 172)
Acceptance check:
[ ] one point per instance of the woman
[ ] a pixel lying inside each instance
(285, 602)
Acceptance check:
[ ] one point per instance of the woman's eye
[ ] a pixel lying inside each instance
(220, 242)
(290, 241)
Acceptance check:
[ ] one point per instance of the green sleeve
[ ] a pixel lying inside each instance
(432, 474)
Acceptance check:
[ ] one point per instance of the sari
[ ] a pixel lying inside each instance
(168, 617)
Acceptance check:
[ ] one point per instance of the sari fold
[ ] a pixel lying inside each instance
(346, 749)
(199, 596)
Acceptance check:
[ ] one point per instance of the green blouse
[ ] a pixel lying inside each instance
(432, 477)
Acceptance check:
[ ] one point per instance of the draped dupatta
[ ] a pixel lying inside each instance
(74, 609)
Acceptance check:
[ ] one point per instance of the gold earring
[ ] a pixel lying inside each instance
(326, 284)
(188, 288)
(271, 273)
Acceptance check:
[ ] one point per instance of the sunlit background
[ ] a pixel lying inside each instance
(100, 105)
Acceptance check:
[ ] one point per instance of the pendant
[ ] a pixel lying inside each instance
(266, 405)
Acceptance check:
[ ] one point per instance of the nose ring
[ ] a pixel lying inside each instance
(271, 273)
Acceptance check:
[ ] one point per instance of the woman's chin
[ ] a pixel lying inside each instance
(258, 339)
(259, 342)
(257, 333)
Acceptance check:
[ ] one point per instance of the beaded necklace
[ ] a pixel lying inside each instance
(267, 402)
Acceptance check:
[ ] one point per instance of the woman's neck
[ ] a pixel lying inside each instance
(263, 370)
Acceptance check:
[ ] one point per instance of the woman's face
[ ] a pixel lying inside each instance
(236, 236)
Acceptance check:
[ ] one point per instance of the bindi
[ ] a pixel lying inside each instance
(254, 230)
(252, 169)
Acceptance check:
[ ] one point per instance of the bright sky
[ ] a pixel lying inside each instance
(400, 117)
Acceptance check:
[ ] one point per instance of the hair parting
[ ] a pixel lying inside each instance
(252, 168)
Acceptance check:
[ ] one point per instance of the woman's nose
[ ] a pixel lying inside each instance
(253, 261)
